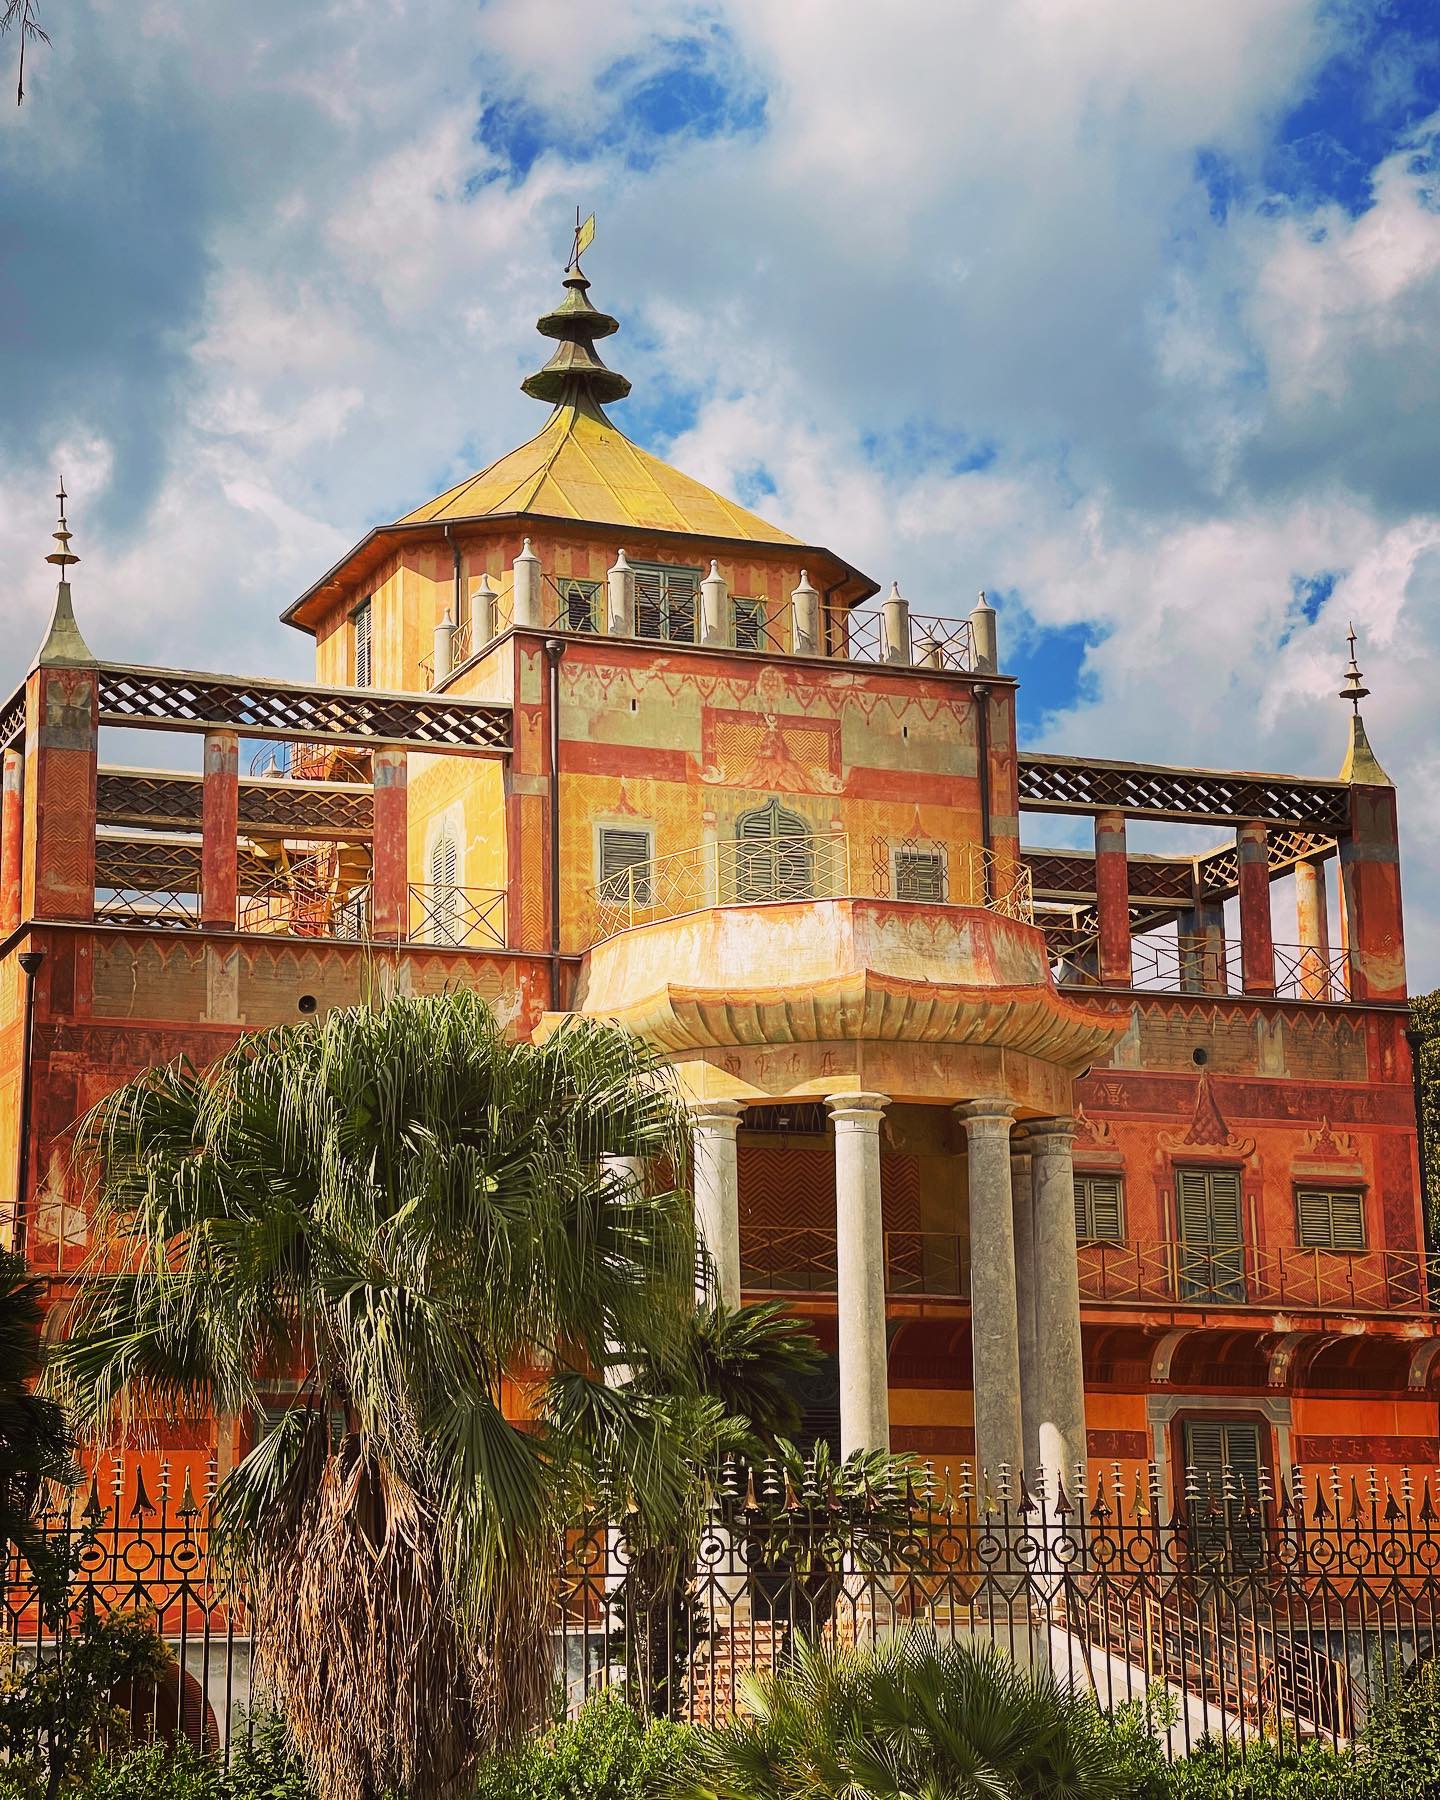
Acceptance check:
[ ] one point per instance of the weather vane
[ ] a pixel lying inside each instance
(1354, 689)
(584, 237)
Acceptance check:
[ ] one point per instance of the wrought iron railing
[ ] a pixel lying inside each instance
(746, 871)
(793, 1260)
(1268, 1278)
(444, 914)
(859, 634)
(164, 909)
(1181, 965)
(1272, 1603)
(294, 906)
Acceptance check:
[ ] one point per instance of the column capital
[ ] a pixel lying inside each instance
(718, 1115)
(987, 1117)
(1051, 1133)
(859, 1109)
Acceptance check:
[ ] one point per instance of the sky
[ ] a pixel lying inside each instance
(1128, 314)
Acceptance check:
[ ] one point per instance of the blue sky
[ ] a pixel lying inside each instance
(1126, 314)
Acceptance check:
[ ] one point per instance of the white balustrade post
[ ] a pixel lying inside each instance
(896, 615)
(984, 639)
(714, 608)
(620, 598)
(484, 613)
(444, 647)
(525, 600)
(805, 609)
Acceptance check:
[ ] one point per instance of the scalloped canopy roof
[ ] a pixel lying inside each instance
(580, 467)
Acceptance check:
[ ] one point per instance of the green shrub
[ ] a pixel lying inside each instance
(1400, 1745)
(605, 1753)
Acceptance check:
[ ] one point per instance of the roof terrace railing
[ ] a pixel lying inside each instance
(1181, 965)
(747, 870)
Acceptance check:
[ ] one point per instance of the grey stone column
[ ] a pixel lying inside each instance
(994, 1317)
(860, 1272)
(1060, 1399)
(717, 1192)
(1022, 1197)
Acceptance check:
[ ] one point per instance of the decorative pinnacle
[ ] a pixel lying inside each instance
(575, 375)
(1354, 689)
(64, 558)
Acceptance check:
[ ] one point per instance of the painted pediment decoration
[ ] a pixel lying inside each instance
(1208, 1134)
(1327, 1152)
(777, 753)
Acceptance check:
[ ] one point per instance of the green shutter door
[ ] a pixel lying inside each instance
(1212, 1242)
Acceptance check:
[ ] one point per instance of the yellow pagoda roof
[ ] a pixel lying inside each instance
(581, 467)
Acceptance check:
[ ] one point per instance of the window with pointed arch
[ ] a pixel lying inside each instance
(774, 855)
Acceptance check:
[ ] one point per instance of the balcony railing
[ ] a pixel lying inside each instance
(288, 907)
(1279, 1277)
(790, 1261)
(747, 871)
(1179, 965)
(441, 913)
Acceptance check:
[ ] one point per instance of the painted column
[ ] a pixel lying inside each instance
(1312, 928)
(220, 831)
(61, 744)
(390, 857)
(12, 839)
(994, 1318)
(1060, 1366)
(860, 1272)
(1370, 888)
(717, 1194)
(1112, 899)
(1202, 949)
(1022, 1207)
(1257, 944)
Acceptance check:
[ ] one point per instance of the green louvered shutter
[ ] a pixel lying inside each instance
(1331, 1218)
(665, 602)
(1099, 1208)
(1212, 1254)
(621, 851)
(1223, 1460)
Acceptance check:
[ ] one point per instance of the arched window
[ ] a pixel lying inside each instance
(444, 899)
(774, 855)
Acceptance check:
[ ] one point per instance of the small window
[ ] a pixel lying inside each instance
(665, 602)
(579, 606)
(625, 858)
(443, 904)
(920, 875)
(749, 624)
(360, 622)
(1099, 1208)
(1331, 1218)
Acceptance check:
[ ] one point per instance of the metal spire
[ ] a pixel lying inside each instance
(1354, 689)
(63, 557)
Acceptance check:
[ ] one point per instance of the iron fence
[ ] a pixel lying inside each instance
(1244, 1606)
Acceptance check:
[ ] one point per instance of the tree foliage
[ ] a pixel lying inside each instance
(417, 1221)
(1425, 1021)
(35, 1441)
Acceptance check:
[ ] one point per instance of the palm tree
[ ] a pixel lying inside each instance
(913, 1717)
(416, 1220)
(35, 1441)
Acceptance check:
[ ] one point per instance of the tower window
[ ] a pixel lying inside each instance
(1099, 1208)
(920, 875)
(749, 624)
(1331, 1218)
(665, 602)
(444, 906)
(579, 606)
(774, 855)
(625, 857)
(1212, 1244)
(361, 630)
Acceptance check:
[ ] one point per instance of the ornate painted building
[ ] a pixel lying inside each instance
(1065, 1155)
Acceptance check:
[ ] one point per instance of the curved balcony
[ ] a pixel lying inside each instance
(810, 865)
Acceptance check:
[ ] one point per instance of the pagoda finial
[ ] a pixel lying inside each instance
(63, 642)
(1361, 763)
(64, 557)
(1354, 690)
(575, 376)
